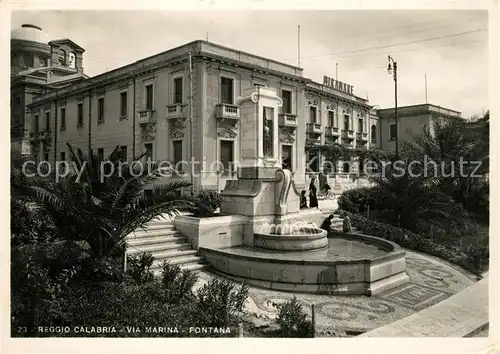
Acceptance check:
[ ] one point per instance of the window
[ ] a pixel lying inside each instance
(100, 109)
(346, 167)
(36, 123)
(374, 134)
(286, 157)
(63, 156)
(62, 57)
(331, 118)
(360, 125)
(346, 122)
(18, 100)
(80, 115)
(149, 97)
(123, 104)
(226, 156)
(178, 154)
(226, 90)
(149, 151)
(123, 150)
(72, 60)
(312, 114)
(392, 132)
(178, 94)
(28, 60)
(63, 118)
(47, 122)
(287, 101)
(46, 156)
(100, 154)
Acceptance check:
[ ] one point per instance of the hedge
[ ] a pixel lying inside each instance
(474, 257)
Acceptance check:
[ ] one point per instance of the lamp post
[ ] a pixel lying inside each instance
(392, 68)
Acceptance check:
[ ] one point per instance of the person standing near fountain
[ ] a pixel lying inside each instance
(303, 200)
(313, 199)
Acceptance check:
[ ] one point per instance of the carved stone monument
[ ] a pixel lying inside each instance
(263, 191)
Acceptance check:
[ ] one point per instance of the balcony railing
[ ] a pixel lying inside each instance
(314, 128)
(227, 111)
(144, 117)
(348, 134)
(43, 135)
(288, 120)
(176, 111)
(362, 137)
(332, 131)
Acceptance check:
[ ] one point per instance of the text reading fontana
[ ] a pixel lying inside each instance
(133, 330)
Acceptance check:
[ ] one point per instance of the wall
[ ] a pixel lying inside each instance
(408, 127)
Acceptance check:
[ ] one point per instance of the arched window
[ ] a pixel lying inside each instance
(346, 167)
(374, 134)
(62, 57)
(72, 60)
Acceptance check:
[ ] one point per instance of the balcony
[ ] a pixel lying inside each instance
(145, 117)
(178, 110)
(33, 136)
(332, 131)
(314, 128)
(348, 134)
(287, 120)
(225, 111)
(362, 137)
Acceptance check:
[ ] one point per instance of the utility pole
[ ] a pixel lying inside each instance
(298, 45)
(191, 121)
(425, 88)
(394, 70)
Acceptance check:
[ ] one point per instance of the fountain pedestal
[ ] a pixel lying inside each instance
(263, 191)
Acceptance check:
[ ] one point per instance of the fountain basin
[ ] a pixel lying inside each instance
(301, 239)
(351, 264)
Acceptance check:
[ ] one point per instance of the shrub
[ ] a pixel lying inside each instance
(138, 267)
(28, 224)
(219, 303)
(356, 200)
(293, 320)
(178, 284)
(471, 257)
(206, 203)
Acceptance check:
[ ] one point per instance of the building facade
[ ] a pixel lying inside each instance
(179, 112)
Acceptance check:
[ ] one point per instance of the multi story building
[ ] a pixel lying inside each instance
(412, 120)
(177, 112)
(38, 66)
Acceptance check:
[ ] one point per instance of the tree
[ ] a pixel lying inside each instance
(107, 201)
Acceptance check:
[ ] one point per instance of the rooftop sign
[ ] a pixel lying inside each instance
(337, 85)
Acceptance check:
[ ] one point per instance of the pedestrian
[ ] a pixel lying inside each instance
(346, 225)
(327, 223)
(313, 199)
(303, 200)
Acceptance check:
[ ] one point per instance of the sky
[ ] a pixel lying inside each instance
(450, 47)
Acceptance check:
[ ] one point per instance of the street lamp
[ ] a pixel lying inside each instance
(392, 68)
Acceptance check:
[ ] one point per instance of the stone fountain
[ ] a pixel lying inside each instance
(265, 192)
(264, 239)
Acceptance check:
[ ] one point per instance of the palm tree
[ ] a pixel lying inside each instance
(408, 200)
(106, 201)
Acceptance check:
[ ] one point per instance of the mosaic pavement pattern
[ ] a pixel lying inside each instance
(431, 281)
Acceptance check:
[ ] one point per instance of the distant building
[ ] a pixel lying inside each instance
(411, 122)
(38, 66)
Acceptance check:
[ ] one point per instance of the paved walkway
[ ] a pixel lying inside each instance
(431, 281)
(458, 316)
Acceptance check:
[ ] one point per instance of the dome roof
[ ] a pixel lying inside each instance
(30, 33)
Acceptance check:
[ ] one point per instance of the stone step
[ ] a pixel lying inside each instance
(181, 261)
(155, 226)
(174, 254)
(195, 266)
(154, 248)
(152, 233)
(161, 239)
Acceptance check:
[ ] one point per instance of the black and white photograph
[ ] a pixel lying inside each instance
(258, 173)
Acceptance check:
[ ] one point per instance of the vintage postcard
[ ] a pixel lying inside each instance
(256, 172)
